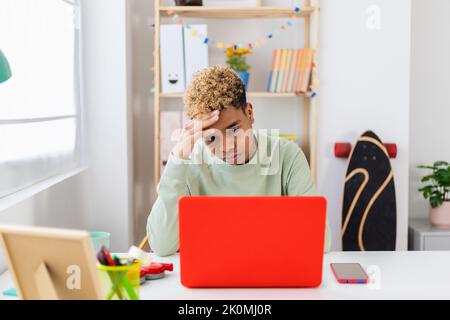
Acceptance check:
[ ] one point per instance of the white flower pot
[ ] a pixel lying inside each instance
(440, 216)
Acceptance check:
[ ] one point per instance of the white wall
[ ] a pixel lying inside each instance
(141, 36)
(430, 87)
(108, 118)
(364, 85)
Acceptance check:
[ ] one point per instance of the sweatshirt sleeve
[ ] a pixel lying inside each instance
(299, 183)
(162, 223)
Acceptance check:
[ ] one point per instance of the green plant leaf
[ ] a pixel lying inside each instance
(440, 189)
(427, 178)
(425, 167)
(238, 63)
(441, 163)
(435, 202)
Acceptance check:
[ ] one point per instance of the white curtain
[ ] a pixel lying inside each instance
(39, 106)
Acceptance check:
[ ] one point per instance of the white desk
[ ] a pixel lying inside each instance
(403, 275)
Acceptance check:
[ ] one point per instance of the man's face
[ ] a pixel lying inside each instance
(233, 136)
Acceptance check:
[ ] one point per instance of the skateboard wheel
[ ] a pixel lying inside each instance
(391, 149)
(342, 149)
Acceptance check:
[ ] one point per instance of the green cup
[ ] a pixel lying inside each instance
(99, 239)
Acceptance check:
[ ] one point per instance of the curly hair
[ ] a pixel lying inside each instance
(214, 88)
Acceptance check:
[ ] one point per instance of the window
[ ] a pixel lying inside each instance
(39, 106)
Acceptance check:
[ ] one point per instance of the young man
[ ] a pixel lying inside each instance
(218, 153)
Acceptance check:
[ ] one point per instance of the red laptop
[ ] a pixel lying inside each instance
(251, 241)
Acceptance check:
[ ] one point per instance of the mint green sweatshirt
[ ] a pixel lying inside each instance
(278, 167)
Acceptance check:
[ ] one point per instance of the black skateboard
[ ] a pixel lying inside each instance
(369, 212)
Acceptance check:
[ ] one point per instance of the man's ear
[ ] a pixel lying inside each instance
(249, 113)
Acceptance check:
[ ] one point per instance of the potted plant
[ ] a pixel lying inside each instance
(236, 60)
(437, 190)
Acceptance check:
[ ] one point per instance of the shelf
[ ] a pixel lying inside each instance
(249, 95)
(235, 12)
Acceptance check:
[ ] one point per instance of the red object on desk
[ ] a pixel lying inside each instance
(155, 269)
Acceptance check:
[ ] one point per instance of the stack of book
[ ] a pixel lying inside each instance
(291, 70)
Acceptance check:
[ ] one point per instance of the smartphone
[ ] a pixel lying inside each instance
(349, 273)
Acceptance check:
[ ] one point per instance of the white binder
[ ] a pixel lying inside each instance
(172, 58)
(195, 49)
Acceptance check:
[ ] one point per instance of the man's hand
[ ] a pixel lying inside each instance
(192, 131)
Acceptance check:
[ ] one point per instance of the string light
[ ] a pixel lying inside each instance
(251, 45)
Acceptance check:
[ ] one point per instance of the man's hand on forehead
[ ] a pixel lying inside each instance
(194, 130)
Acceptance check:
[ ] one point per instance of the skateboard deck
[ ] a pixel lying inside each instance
(369, 213)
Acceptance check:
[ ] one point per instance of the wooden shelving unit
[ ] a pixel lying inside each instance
(235, 13)
(249, 95)
(308, 12)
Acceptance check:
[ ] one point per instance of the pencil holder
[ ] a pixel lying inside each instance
(120, 282)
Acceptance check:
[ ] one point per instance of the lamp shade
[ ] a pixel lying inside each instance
(5, 71)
